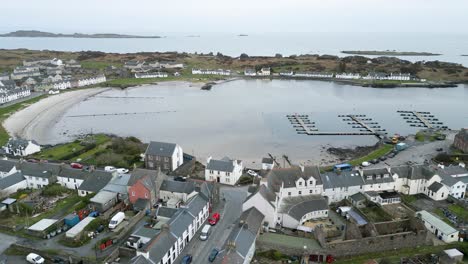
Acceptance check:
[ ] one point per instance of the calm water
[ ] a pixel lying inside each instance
(450, 45)
(247, 118)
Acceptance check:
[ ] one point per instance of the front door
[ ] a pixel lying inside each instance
(218, 179)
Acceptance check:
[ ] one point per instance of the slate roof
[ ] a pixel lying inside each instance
(266, 193)
(146, 232)
(402, 171)
(224, 164)
(11, 180)
(452, 171)
(137, 174)
(421, 172)
(289, 176)
(160, 245)
(195, 204)
(253, 218)
(166, 212)
(297, 207)
(177, 187)
(7, 165)
(179, 222)
(160, 149)
(343, 179)
(358, 197)
(118, 184)
(73, 173)
(42, 170)
(95, 181)
(140, 259)
(435, 186)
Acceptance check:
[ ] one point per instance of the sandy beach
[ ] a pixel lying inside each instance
(34, 121)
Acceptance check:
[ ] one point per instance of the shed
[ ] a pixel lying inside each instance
(9, 202)
(75, 232)
(357, 218)
(439, 228)
(42, 225)
(103, 200)
(454, 255)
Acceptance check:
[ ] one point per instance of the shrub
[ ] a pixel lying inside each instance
(245, 179)
(54, 190)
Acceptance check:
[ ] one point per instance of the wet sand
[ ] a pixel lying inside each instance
(35, 121)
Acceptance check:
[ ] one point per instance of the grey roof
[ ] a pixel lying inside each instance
(343, 179)
(95, 181)
(160, 149)
(17, 143)
(289, 176)
(421, 172)
(140, 259)
(267, 160)
(358, 197)
(166, 212)
(360, 220)
(376, 176)
(298, 206)
(11, 180)
(43, 170)
(224, 164)
(177, 187)
(266, 193)
(435, 186)
(180, 222)
(146, 232)
(160, 245)
(103, 197)
(140, 204)
(253, 218)
(118, 184)
(73, 173)
(7, 165)
(453, 171)
(137, 174)
(196, 204)
(402, 171)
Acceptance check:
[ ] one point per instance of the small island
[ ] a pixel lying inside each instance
(389, 53)
(41, 34)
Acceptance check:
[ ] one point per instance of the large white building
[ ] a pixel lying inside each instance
(211, 72)
(439, 228)
(225, 171)
(21, 147)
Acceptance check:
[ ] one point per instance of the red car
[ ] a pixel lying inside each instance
(214, 219)
(76, 166)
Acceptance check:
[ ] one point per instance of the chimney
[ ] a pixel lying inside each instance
(302, 167)
(208, 159)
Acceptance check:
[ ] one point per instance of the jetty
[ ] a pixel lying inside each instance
(421, 119)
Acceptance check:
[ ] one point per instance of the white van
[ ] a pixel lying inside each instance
(205, 232)
(116, 220)
(109, 168)
(34, 258)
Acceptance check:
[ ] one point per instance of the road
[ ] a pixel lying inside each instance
(230, 211)
(6, 241)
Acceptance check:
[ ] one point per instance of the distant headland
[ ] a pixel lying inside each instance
(41, 34)
(389, 53)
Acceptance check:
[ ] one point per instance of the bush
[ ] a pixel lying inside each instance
(95, 224)
(245, 179)
(54, 190)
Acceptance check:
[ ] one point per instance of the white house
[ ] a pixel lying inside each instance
(295, 181)
(133, 64)
(313, 75)
(268, 164)
(174, 192)
(40, 174)
(265, 201)
(225, 171)
(349, 76)
(12, 183)
(399, 76)
(56, 62)
(439, 228)
(250, 72)
(175, 234)
(151, 75)
(21, 147)
(295, 211)
(211, 72)
(264, 71)
(7, 167)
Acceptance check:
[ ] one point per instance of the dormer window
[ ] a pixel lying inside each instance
(377, 176)
(300, 183)
(369, 177)
(386, 175)
(311, 182)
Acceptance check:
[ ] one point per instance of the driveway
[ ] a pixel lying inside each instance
(230, 211)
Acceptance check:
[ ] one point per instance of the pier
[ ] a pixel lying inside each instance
(304, 126)
(421, 119)
(122, 114)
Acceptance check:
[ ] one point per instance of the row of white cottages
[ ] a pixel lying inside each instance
(67, 84)
(211, 72)
(13, 95)
(284, 190)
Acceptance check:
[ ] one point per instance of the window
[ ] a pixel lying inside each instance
(300, 192)
(442, 195)
(74, 180)
(228, 174)
(150, 157)
(146, 195)
(311, 182)
(289, 193)
(166, 159)
(133, 193)
(227, 180)
(300, 183)
(310, 191)
(156, 158)
(211, 171)
(219, 172)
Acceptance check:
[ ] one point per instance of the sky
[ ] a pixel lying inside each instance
(234, 16)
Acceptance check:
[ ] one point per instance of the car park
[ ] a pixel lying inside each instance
(213, 254)
(34, 258)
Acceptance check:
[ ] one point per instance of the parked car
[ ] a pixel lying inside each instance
(180, 179)
(213, 255)
(205, 233)
(214, 219)
(35, 258)
(75, 165)
(58, 260)
(122, 170)
(116, 220)
(252, 173)
(366, 164)
(392, 154)
(33, 160)
(109, 168)
(374, 161)
(187, 259)
(439, 149)
(382, 158)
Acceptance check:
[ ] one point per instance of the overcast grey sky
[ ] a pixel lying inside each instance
(234, 16)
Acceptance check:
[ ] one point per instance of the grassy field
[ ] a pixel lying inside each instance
(60, 152)
(5, 112)
(381, 151)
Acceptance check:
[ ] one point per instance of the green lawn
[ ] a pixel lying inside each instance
(381, 151)
(5, 112)
(100, 65)
(61, 151)
(459, 211)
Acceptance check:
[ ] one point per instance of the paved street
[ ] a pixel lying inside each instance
(6, 241)
(219, 233)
